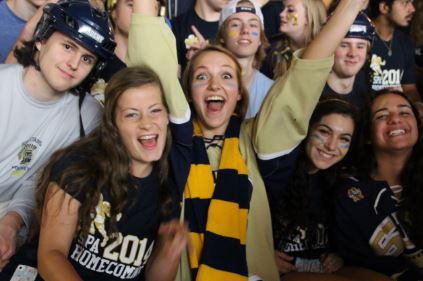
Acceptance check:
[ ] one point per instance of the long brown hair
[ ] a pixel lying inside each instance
(103, 160)
(316, 17)
(410, 211)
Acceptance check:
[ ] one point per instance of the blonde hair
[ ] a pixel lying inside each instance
(316, 16)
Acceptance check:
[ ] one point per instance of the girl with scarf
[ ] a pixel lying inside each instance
(214, 150)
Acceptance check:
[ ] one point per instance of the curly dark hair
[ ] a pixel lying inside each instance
(294, 208)
(106, 161)
(410, 211)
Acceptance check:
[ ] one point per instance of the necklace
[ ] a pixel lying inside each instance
(389, 47)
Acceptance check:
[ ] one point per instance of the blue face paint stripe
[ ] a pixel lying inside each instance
(344, 145)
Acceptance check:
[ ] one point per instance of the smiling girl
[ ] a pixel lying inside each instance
(213, 157)
(298, 186)
(378, 212)
(300, 22)
(102, 199)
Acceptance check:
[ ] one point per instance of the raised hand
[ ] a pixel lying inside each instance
(199, 43)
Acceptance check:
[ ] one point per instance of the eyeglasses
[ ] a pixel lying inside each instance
(405, 3)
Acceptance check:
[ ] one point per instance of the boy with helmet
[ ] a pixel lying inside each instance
(392, 61)
(43, 105)
(351, 54)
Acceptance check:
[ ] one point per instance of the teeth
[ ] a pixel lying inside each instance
(214, 98)
(147, 137)
(324, 154)
(396, 132)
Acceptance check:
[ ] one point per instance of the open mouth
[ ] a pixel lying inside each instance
(398, 132)
(244, 42)
(214, 103)
(148, 141)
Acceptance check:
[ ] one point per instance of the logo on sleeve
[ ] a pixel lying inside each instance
(355, 194)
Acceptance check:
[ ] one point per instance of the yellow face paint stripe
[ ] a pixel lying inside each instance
(294, 18)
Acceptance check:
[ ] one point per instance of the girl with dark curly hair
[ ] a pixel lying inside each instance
(298, 185)
(379, 218)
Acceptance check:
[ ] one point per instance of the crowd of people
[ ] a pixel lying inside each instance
(212, 145)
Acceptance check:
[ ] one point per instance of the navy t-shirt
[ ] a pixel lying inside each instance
(392, 63)
(358, 95)
(418, 55)
(277, 175)
(182, 29)
(103, 257)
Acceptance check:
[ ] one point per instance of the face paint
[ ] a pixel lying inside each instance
(343, 148)
(255, 34)
(329, 141)
(230, 84)
(198, 84)
(293, 18)
(233, 33)
(317, 138)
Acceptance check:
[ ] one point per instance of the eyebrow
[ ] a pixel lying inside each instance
(136, 109)
(156, 104)
(398, 106)
(331, 130)
(70, 42)
(129, 108)
(237, 18)
(325, 126)
(77, 46)
(206, 68)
